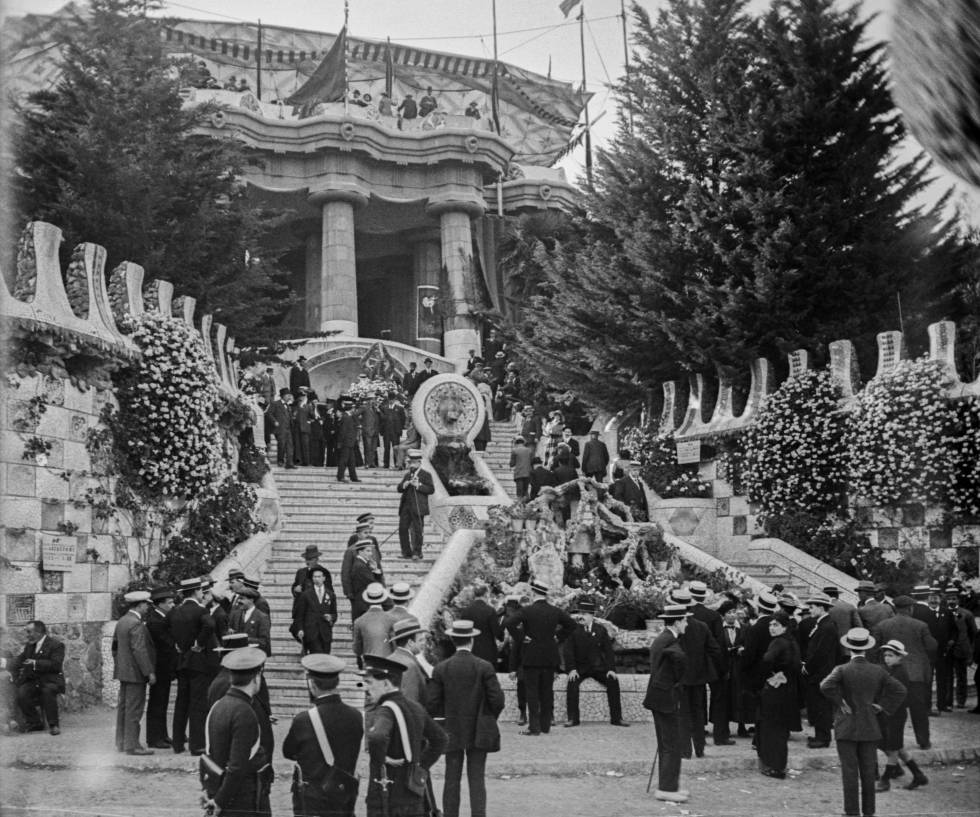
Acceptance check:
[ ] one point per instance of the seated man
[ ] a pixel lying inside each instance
(37, 674)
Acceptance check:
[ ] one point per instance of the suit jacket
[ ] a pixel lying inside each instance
(280, 416)
(372, 629)
(361, 576)
(486, 620)
(531, 425)
(823, 651)
(589, 650)
(344, 728)
(712, 618)
(630, 493)
(463, 689)
(544, 626)
(310, 612)
(298, 376)
(135, 654)
(347, 436)
(392, 421)
(411, 382)
(915, 636)
(541, 476)
(368, 418)
(158, 627)
(730, 645)
(845, 616)
(703, 653)
(595, 457)
(303, 415)
(192, 626)
(415, 682)
(415, 501)
(520, 461)
(47, 669)
(756, 639)
(861, 683)
(873, 613)
(347, 565)
(668, 665)
(258, 627)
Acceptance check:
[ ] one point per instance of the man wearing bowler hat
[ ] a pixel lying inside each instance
(234, 772)
(466, 700)
(860, 691)
(588, 653)
(135, 667)
(347, 438)
(303, 580)
(544, 626)
(193, 631)
(668, 664)
(403, 743)
(337, 725)
(165, 667)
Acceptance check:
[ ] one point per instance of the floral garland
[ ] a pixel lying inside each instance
(167, 403)
(902, 437)
(795, 453)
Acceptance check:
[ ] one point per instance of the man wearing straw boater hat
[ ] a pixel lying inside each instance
(166, 667)
(415, 488)
(663, 698)
(408, 640)
(372, 629)
(822, 655)
(400, 594)
(544, 626)
(324, 741)
(466, 699)
(859, 691)
(193, 631)
(235, 769)
(134, 668)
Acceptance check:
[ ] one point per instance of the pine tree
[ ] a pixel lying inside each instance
(111, 157)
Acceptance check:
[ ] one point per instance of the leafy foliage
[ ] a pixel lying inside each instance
(964, 493)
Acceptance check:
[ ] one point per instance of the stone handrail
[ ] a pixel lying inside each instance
(697, 557)
(804, 566)
(442, 574)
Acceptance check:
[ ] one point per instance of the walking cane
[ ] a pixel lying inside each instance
(652, 767)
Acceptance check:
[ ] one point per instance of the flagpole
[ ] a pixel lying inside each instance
(494, 103)
(346, 76)
(626, 63)
(585, 99)
(258, 66)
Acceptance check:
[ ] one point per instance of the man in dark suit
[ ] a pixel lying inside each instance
(703, 658)
(726, 691)
(415, 488)
(711, 618)
(588, 653)
(408, 639)
(316, 612)
(466, 699)
(426, 373)
(530, 424)
(165, 667)
(193, 631)
(628, 490)
(410, 381)
(37, 673)
(280, 417)
(303, 415)
(486, 622)
(540, 476)
(822, 655)
(303, 580)
(595, 457)
(922, 648)
(544, 626)
(668, 665)
(844, 614)
(362, 574)
(134, 668)
(370, 422)
(253, 622)
(343, 727)
(346, 442)
(392, 426)
(859, 690)
(298, 377)
(756, 643)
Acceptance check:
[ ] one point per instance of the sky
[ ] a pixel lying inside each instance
(532, 34)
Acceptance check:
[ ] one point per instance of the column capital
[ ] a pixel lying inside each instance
(351, 195)
(470, 207)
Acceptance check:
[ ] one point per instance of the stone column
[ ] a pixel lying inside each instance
(426, 264)
(338, 260)
(314, 282)
(461, 328)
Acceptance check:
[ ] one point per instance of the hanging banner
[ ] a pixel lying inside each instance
(429, 325)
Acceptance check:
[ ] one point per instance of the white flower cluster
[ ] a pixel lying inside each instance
(902, 438)
(169, 409)
(964, 495)
(795, 454)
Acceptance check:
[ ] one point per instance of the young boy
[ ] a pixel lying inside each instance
(893, 726)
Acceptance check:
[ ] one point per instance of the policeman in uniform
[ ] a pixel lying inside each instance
(234, 768)
(343, 730)
(403, 743)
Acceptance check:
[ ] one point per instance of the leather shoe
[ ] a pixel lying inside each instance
(529, 732)
(55, 730)
(197, 752)
(670, 796)
(178, 748)
(728, 742)
(817, 744)
(162, 744)
(619, 723)
(974, 711)
(139, 750)
(570, 724)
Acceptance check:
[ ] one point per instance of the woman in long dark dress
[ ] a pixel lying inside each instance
(779, 710)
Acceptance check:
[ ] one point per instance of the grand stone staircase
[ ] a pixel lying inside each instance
(497, 455)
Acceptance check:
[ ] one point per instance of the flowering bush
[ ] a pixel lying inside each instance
(363, 389)
(657, 455)
(795, 453)
(964, 493)
(167, 404)
(690, 485)
(902, 437)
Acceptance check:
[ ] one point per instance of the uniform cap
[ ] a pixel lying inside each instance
(858, 639)
(895, 646)
(375, 593)
(462, 629)
(400, 592)
(232, 641)
(137, 596)
(322, 664)
(698, 589)
(377, 666)
(405, 627)
(244, 658)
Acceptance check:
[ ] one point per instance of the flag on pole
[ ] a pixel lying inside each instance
(329, 82)
(567, 6)
(389, 69)
(495, 101)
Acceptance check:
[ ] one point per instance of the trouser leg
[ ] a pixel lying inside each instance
(532, 683)
(415, 531)
(959, 677)
(819, 712)
(867, 767)
(667, 727)
(847, 751)
(451, 786)
(156, 710)
(612, 696)
(181, 708)
(476, 768)
(404, 540)
(547, 681)
(198, 710)
(918, 702)
(571, 700)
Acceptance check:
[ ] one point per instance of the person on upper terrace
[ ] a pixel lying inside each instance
(473, 110)
(355, 99)
(408, 109)
(243, 86)
(385, 105)
(231, 84)
(427, 104)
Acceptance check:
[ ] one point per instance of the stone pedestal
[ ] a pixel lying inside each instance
(338, 260)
